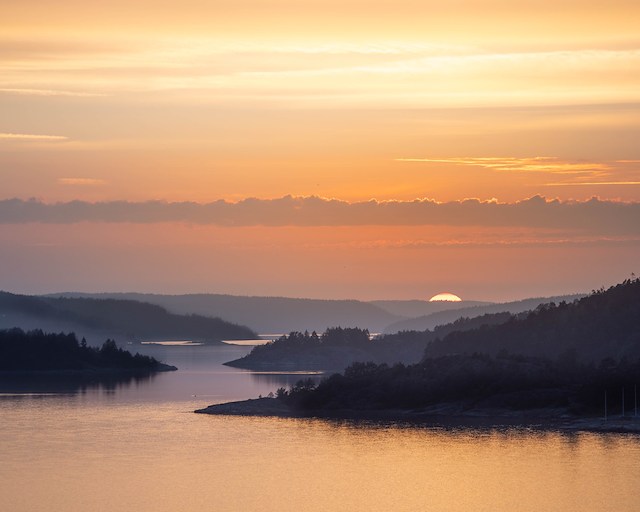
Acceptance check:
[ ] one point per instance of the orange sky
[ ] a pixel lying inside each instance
(202, 101)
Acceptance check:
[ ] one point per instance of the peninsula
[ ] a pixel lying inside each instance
(565, 366)
(37, 352)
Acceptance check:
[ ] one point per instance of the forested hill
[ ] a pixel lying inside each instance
(605, 324)
(338, 347)
(115, 317)
(557, 361)
(39, 351)
(467, 310)
(268, 314)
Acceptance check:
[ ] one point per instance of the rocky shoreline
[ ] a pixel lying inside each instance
(445, 416)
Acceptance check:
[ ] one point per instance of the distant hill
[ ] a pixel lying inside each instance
(449, 315)
(418, 308)
(277, 315)
(267, 314)
(605, 324)
(115, 318)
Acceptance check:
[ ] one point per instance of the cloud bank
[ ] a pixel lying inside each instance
(593, 216)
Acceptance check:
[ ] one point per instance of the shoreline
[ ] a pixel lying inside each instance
(435, 417)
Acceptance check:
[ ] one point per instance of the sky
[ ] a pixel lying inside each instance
(319, 149)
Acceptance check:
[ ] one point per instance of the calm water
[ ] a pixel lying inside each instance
(138, 446)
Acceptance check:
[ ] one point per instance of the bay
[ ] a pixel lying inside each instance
(137, 445)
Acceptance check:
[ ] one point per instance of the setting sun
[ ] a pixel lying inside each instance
(445, 297)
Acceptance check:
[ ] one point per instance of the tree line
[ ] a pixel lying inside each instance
(39, 351)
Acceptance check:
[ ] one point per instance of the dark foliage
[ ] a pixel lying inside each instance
(471, 382)
(40, 351)
(334, 349)
(558, 356)
(334, 336)
(338, 347)
(603, 324)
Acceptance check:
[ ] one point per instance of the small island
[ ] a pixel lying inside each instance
(37, 352)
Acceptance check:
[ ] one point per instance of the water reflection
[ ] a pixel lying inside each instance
(285, 380)
(47, 385)
(58, 454)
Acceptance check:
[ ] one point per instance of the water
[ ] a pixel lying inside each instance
(138, 446)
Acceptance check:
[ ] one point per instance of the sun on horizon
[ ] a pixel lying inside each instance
(445, 297)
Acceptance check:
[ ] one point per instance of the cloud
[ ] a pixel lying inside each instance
(371, 72)
(593, 217)
(528, 164)
(591, 183)
(50, 92)
(84, 182)
(495, 241)
(31, 137)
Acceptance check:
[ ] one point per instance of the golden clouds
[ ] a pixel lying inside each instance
(521, 19)
(370, 73)
(49, 92)
(530, 164)
(574, 173)
(28, 137)
(224, 99)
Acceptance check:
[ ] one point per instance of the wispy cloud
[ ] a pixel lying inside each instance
(31, 137)
(591, 183)
(526, 164)
(374, 72)
(50, 92)
(593, 217)
(495, 241)
(83, 182)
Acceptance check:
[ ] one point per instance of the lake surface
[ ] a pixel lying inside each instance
(137, 446)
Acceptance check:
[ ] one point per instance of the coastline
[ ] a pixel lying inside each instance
(446, 416)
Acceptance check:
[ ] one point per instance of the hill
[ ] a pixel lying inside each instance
(118, 318)
(338, 347)
(416, 308)
(267, 314)
(605, 324)
(555, 362)
(451, 314)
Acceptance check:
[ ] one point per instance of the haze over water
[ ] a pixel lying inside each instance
(140, 447)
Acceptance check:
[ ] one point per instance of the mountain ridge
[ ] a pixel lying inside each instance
(125, 319)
